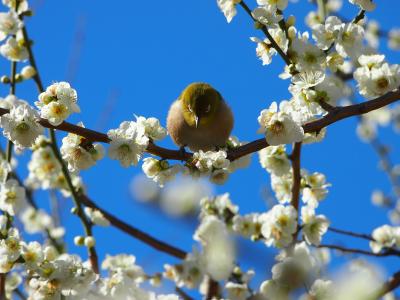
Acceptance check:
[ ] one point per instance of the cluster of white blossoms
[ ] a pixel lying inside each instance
(385, 237)
(279, 126)
(79, 153)
(128, 142)
(316, 65)
(58, 102)
(375, 77)
(20, 125)
(212, 164)
(50, 275)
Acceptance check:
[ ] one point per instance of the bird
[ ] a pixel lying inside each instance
(200, 118)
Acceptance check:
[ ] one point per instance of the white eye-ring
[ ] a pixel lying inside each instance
(208, 108)
(190, 108)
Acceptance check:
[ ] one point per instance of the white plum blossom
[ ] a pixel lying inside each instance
(271, 289)
(228, 7)
(35, 220)
(182, 197)
(279, 127)
(375, 77)
(265, 50)
(44, 168)
(307, 56)
(394, 39)
(32, 253)
(267, 15)
(367, 5)
(248, 225)
(275, 160)
(237, 291)
(124, 263)
(282, 186)
(28, 72)
(13, 51)
(220, 206)
(213, 163)
(9, 24)
(385, 237)
(58, 102)
(189, 273)
(349, 40)
(13, 281)
(96, 216)
(20, 125)
(325, 34)
(279, 226)
(315, 188)
(152, 128)
(79, 153)
(128, 143)
(313, 227)
(320, 290)
(12, 197)
(218, 248)
(160, 170)
(10, 250)
(278, 4)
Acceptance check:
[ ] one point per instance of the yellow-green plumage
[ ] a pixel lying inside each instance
(200, 118)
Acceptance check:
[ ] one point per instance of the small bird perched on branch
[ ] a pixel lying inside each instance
(200, 118)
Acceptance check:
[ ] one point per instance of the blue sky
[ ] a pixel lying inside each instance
(135, 58)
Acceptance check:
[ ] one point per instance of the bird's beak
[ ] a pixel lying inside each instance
(196, 121)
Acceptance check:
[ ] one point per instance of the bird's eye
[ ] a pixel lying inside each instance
(190, 108)
(208, 108)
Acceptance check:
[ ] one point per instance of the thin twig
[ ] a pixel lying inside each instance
(266, 32)
(350, 233)
(359, 17)
(183, 295)
(387, 252)
(87, 225)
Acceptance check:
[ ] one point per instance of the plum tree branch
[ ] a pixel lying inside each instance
(339, 113)
(132, 231)
(387, 252)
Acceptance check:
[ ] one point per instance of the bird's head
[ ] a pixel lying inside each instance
(200, 103)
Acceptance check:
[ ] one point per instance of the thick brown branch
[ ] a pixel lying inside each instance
(295, 157)
(213, 289)
(132, 231)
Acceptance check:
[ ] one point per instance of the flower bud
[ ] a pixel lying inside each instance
(4, 79)
(79, 240)
(258, 25)
(18, 78)
(291, 21)
(90, 241)
(292, 32)
(28, 72)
